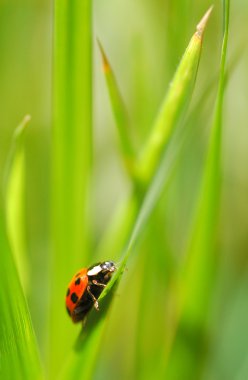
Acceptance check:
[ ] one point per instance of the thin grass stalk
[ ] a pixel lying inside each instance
(18, 346)
(71, 158)
(199, 270)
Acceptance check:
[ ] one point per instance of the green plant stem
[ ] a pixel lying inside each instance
(71, 158)
(198, 272)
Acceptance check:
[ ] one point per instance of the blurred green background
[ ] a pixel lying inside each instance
(144, 41)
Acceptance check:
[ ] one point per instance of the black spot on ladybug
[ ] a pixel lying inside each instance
(68, 311)
(78, 280)
(68, 292)
(74, 297)
(78, 274)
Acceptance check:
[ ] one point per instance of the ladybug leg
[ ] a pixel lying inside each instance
(95, 282)
(96, 305)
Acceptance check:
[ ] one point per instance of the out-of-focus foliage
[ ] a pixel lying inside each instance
(144, 42)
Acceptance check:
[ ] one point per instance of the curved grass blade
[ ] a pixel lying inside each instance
(71, 158)
(13, 192)
(201, 249)
(200, 266)
(168, 162)
(162, 131)
(88, 344)
(18, 348)
(15, 147)
(120, 114)
(173, 107)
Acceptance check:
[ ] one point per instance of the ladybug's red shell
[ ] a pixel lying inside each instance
(76, 289)
(86, 287)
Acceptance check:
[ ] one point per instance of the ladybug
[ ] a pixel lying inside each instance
(86, 287)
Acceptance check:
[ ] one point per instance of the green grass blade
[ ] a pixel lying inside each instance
(19, 353)
(82, 360)
(120, 114)
(14, 188)
(89, 341)
(173, 106)
(200, 266)
(201, 247)
(88, 344)
(71, 157)
(178, 99)
(187, 69)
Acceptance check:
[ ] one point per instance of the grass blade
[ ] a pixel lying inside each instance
(71, 155)
(13, 189)
(88, 344)
(202, 242)
(19, 353)
(199, 270)
(173, 106)
(120, 114)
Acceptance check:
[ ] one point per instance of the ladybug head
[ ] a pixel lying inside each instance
(108, 266)
(101, 269)
(101, 272)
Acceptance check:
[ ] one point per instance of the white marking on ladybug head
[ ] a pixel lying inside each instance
(94, 271)
(108, 266)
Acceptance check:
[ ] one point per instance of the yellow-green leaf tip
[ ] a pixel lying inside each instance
(26, 119)
(106, 65)
(202, 24)
(22, 126)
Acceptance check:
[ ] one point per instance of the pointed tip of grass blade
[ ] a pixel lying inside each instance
(22, 125)
(173, 108)
(27, 118)
(105, 63)
(120, 114)
(200, 28)
(16, 138)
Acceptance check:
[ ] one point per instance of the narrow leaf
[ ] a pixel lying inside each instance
(19, 353)
(201, 248)
(120, 114)
(173, 106)
(199, 270)
(13, 188)
(71, 160)
(88, 344)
